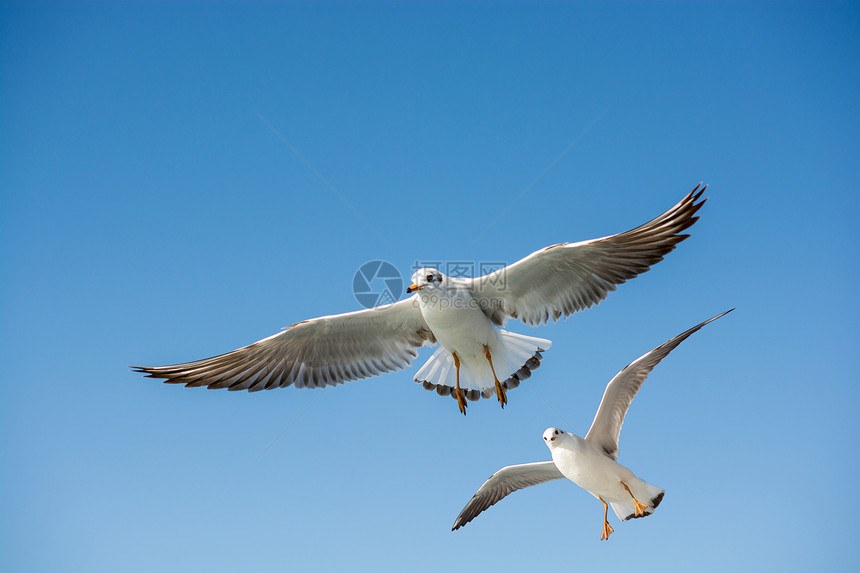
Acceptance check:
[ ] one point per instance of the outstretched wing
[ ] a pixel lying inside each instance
(324, 351)
(621, 390)
(504, 482)
(562, 279)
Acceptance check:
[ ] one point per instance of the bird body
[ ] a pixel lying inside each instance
(600, 475)
(488, 360)
(453, 314)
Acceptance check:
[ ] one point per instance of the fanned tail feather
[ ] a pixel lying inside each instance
(513, 360)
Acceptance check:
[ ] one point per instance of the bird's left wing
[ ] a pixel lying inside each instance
(562, 279)
(621, 390)
(506, 481)
(323, 351)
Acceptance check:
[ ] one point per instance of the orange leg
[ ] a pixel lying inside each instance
(500, 392)
(607, 529)
(458, 393)
(639, 507)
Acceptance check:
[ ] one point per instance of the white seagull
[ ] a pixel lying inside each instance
(462, 314)
(589, 462)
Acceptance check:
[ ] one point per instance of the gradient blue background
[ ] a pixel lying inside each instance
(151, 214)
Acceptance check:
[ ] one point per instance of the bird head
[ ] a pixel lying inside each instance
(425, 279)
(552, 437)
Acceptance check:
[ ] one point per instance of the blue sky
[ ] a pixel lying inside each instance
(153, 212)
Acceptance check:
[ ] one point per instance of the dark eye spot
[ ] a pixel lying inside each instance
(430, 278)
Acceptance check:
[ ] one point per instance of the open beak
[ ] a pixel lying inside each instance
(412, 288)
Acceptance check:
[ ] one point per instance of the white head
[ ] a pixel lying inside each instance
(426, 279)
(553, 437)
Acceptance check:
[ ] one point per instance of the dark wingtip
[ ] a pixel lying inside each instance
(146, 371)
(697, 193)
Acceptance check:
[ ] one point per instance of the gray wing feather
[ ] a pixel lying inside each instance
(606, 427)
(324, 351)
(565, 278)
(504, 482)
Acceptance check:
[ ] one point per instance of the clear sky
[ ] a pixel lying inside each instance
(152, 211)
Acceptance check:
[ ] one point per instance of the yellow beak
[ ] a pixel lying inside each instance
(413, 288)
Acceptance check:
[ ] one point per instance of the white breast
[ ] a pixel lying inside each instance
(585, 466)
(456, 320)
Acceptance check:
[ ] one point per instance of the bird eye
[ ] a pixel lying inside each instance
(430, 277)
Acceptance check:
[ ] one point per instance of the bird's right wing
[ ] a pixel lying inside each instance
(506, 481)
(621, 390)
(323, 351)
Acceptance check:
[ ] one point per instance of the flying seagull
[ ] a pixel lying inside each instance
(589, 462)
(475, 359)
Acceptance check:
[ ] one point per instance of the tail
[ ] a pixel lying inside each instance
(514, 358)
(643, 491)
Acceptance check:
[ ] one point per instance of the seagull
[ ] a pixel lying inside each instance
(476, 358)
(589, 462)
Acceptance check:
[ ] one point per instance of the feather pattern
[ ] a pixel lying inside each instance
(325, 351)
(503, 483)
(562, 279)
(619, 393)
